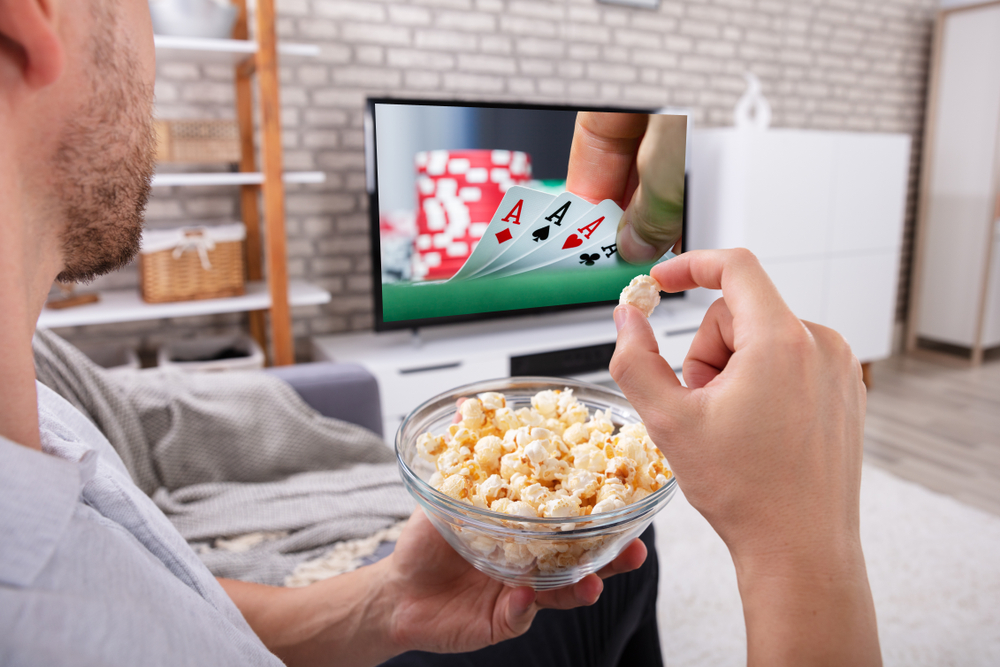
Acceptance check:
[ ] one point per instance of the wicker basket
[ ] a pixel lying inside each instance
(191, 264)
(197, 141)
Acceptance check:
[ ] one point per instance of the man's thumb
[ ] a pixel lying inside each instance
(637, 367)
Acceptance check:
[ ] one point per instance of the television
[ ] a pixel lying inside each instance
(441, 176)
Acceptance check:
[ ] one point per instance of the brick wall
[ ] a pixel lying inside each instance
(834, 64)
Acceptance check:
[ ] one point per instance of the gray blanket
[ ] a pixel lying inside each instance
(228, 454)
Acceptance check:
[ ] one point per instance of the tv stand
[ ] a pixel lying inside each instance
(414, 365)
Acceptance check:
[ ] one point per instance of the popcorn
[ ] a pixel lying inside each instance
(643, 293)
(554, 459)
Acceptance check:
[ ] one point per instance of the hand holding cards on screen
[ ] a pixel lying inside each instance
(534, 231)
(637, 159)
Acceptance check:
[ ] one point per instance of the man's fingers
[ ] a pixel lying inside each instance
(518, 614)
(582, 593)
(631, 558)
(603, 155)
(711, 348)
(644, 376)
(653, 219)
(750, 295)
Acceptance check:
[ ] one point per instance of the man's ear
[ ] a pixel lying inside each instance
(30, 41)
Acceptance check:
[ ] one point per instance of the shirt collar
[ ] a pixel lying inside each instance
(38, 495)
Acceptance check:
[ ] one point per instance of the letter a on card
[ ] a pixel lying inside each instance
(505, 228)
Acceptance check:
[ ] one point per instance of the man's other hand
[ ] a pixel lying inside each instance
(441, 603)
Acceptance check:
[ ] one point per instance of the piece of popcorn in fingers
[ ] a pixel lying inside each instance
(643, 293)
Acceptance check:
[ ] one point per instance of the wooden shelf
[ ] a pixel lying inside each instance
(221, 51)
(128, 306)
(232, 178)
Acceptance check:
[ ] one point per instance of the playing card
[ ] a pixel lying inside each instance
(563, 209)
(598, 224)
(518, 207)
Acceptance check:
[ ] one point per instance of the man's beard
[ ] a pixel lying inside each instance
(105, 160)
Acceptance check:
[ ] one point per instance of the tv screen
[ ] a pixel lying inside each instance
(470, 217)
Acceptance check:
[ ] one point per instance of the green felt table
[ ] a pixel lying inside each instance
(534, 289)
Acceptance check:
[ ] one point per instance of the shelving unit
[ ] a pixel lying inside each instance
(259, 185)
(127, 306)
(232, 178)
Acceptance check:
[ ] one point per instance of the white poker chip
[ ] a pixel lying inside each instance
(643, 293)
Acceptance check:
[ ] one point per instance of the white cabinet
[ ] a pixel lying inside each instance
(411, 369)
(956, 299)
(822, 210)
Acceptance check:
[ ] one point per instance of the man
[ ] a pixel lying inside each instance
(92, 573)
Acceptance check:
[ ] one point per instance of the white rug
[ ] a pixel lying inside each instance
(933, 563)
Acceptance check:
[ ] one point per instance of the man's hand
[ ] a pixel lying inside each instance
(637, 160)
(444, 605)
(766, 442)
(422, 597)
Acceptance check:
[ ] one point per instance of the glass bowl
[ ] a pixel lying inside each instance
(542, 553)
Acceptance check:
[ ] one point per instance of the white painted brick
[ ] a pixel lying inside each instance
(536, 67)
(489, 64)
(325, 117)
(496, 44)
(341, 160)
(614, 54)
(584, 52)
(207, 93)
(352, 138)
(310, 204)
(541, 10)
(367, 77)
(540, 47)
(311, 75)
(495, 6)
(315, 28)
(678, 44)
(656, 22)
(369, 55)
(651, 58)
(716, 49)
(521, 86)
(588, 34)
(422, 80)
(571, 70)
(165, 92)
(638, 38)
(180, 71)
(299, 160)
(521, 25)
(417, 58)
(471, 21)
(583, 90)
(699, 29)
(583, 14)
(347, 9)
(553, 87)
(321, 139)
(375, 33)
(445, 40)
(404, 15)
(325, 266)
(451, 4)
(480, 83)
(618, 73)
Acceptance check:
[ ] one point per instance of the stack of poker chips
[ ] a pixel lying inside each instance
(457, 193)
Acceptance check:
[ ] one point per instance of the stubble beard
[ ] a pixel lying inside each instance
(104, 161)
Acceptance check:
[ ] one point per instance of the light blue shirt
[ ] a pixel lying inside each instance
(91, 572)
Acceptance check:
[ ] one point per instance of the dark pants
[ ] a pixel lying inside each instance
(620, 630)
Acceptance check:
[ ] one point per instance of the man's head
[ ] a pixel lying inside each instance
(76, 77)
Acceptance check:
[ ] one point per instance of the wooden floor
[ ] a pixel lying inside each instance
(938, 426)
